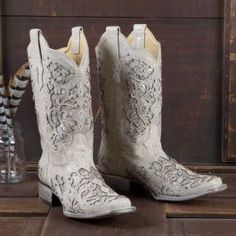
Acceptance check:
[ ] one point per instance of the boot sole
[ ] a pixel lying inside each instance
(117, 181)
(45, 193)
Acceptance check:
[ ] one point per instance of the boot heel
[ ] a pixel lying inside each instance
(118, 183)
(45, 193)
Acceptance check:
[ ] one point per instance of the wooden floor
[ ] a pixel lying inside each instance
(22, 213)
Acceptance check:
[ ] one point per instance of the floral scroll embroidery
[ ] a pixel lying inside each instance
(81, 188)
(142, 90)
(69, 104)
(164, 175)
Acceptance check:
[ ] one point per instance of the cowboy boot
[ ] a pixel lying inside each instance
(131, 84)
(61, 88)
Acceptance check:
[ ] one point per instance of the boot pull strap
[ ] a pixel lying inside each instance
(113, 33)
(139, 31)
(75, 39)
(38, 42)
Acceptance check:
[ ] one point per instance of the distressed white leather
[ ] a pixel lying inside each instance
(61, 89)
(131, 85)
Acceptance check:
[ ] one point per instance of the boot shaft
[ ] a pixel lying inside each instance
(61, 88)
(130, 77)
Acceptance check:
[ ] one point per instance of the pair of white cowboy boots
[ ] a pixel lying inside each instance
(130, 76)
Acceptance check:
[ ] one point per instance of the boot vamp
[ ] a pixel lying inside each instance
(82, 190)
(165, 176)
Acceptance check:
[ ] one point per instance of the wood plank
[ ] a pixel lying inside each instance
(27, 188)
(22, 206)
(214, 168)
(203, 208)
(175, 227)
(149, 218)
(230, 180)
(12, 226)
(34, 226)
(137, 189)
(1, 38)
(113, 8)
(210, 227)
(33, 166)
(229, 83)
(191, 79)
(25, 226)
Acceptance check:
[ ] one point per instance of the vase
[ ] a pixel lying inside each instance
(12, 155)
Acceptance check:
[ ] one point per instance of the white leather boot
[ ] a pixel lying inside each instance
(61, 87)
(131, 84)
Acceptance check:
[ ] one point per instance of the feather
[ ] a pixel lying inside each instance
(17, 86)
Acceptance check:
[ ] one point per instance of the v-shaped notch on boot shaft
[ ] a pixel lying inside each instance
(76, 49)
(140, 38)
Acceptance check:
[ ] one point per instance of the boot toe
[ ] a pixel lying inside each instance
(215, 182)
(212, 184)
(120, 204)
